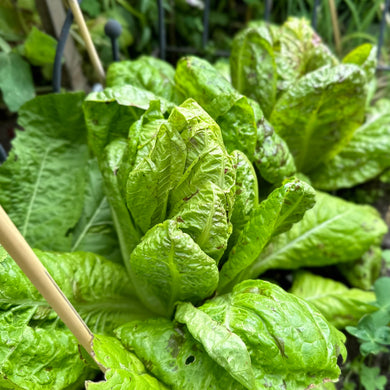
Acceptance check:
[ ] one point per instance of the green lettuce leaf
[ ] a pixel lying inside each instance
(363, 158)
(246, 196)
(122, 369)
(42, 181)
(341, 306)
(171, 354)
(198, 79)
(253, 67)
(222, 345)
(291, 345)
(366, 57)
(95, 230)
(298, 51)
(284, 206)
(16, 82)
(128, 234)
(109, 113)
(202, 200)
(168, 266)
(333, 231)
(37, 351)
(319, 114)
(272, 156)
(149, 183)
(363, 272)
(149, 73)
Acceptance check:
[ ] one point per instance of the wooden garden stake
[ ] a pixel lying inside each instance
(78, 17)
(17, 247)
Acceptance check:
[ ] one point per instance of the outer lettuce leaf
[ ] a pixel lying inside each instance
(253, 66)
(319, 115)
(272, 155)
(284, 206)
(168, 266)
(149, 73)
(363, 158)
(290, 344)
(363, 272)
(42, 181)
(109, 114)
(37, 351)
(246, 198)
(198, 79)
(334, 231)
(151, 180)
(222, 345)
(95, 230)
(340, 305)
(123, 370)
(171, 354)
(128, 235)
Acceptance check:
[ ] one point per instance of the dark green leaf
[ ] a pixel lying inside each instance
(42, 181)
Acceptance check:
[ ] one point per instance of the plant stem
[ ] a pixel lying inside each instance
(336, 28)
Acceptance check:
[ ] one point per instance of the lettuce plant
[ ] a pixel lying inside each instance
(317, 104)
(148, 204)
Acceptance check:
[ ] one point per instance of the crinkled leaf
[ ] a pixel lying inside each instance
(284, 206)
(204, 217)
(253, 67)
(148, 73)
(198, 79)
(123, 370)
(109, 114)
(363, 158)
(246, 196)
(128, 235)
(340, 305)
(298, 51)
(168, 266)
(16, 83)
(222, 345)
(95, 230)
(203, 199)
(289, 342)
(42, 181)
(151, 180)
(171, 354)
(319, 114)
(272, 156)
(363, 272)
(35, 341)
(333, 231)
(39, 48)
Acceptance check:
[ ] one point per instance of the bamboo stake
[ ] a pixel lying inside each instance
(78, 17)
(18, 248)
(336, 28)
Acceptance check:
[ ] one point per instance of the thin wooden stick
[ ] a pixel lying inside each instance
(20, 251)
(78, 17)
(336, 28)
